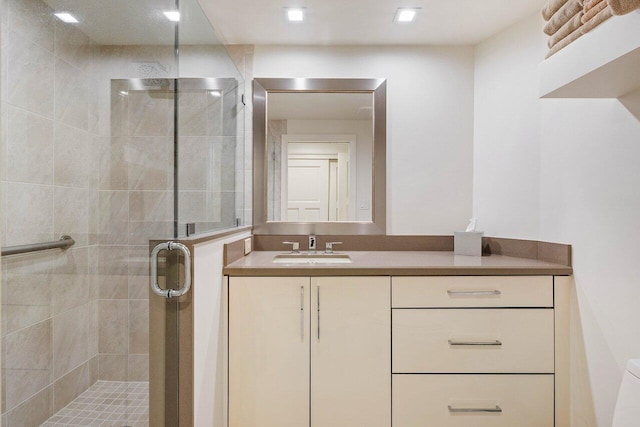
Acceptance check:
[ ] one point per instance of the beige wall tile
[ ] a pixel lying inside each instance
(138, 326)
(94, 105)
(72, 165)
(138, 367)
(151, 113)
(27, 362)
(33, 412)
(139, 272)
(71, 213)
(32, 20)
(29, 143)
(213, 119)
(112, 367)
(110, 162)
(196, 161)
(193, 206)
(140, 232)
(73, 46)
(113, 217)
(71, 96)
(115, 121)
(192, 117)
(94, 364)
(29, 211)
(113, 330)
(92, 271)
(26, 297)
(150, 206)
(71, 386)
(30, 80)
(94, 320)
(112, 270)
(71, 331)
(150, 162)
(139, 286)
(69, 280)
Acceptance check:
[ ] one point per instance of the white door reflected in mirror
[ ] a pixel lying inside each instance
(317, 182)
(319, 157)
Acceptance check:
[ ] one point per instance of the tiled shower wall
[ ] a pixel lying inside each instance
(49, 299)
(84, 159)
(70, 318)
(242, 56)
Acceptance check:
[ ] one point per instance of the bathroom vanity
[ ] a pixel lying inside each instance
(402, 338)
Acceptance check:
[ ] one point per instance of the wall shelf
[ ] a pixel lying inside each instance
(604, 63)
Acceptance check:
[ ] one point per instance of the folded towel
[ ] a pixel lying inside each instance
(622, 7)
(589, 4)
(552, 7)
(562, 16)
(575, 35)
(568, 28)
(594, 11)
(604, 14)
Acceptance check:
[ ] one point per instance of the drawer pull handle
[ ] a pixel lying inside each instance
(495, 409)
(480, 343)
(473, 293)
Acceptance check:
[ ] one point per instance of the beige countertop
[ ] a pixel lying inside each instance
(397, 263)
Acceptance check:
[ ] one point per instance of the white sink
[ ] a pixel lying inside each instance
(312, 259)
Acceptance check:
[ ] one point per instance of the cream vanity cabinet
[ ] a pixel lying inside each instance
(473, 351)
(309, 351)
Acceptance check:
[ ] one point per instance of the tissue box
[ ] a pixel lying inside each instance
(467, 243)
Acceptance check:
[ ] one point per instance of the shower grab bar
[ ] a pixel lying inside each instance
(170, 293)
(65, 242)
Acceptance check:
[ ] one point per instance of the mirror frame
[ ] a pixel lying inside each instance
(261, 88)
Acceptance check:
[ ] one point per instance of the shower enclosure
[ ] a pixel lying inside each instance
(122, 126)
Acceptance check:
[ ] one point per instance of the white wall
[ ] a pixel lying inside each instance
(429, 123)
(363, 130)
(506, 191)
(209, 337)
(573, 163)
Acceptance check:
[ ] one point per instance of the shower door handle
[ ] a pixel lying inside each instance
(170, 293)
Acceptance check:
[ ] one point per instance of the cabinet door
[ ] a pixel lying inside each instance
(269, 351)
(350, 352)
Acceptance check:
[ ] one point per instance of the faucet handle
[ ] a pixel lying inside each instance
(295, 247)
(329, 247)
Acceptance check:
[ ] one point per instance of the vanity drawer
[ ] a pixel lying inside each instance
(472, 340)
(472, 291)
(460, 400)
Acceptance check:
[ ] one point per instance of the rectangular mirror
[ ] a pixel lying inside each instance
(319, 156)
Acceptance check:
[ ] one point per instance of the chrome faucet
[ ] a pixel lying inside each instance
(329, 247)
(295, 247)
(312, 244)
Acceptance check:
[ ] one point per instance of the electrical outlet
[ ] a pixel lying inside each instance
(247, 246)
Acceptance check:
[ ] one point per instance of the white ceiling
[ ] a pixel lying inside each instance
(328, 22)
(365, 22)
(138, 22)
(320, 106)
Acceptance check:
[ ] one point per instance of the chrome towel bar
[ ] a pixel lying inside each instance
(65, 242)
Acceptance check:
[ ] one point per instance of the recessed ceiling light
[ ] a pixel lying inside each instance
(66, 17)
(172, 15)
(406, 14)
(295, 14)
